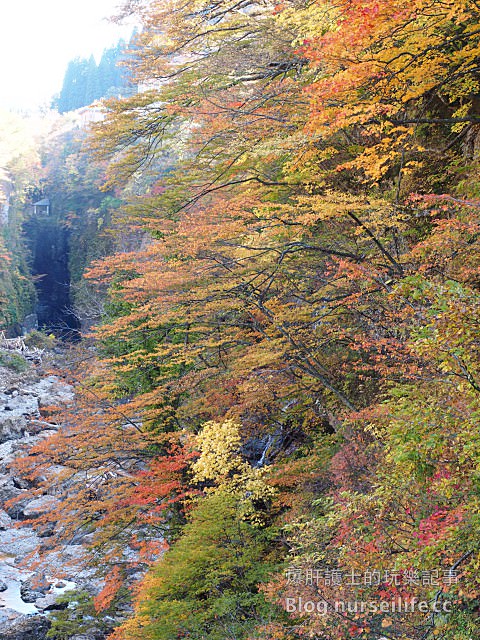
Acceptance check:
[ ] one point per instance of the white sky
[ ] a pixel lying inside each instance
(39, 37)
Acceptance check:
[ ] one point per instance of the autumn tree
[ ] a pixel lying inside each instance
(306, 297)
(207, 585)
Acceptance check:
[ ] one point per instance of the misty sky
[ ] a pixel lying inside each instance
(39, 37)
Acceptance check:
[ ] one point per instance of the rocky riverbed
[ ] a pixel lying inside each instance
(27, 594)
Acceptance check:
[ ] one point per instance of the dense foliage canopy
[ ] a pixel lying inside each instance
(287, 391)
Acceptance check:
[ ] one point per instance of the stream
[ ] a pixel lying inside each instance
(13, 577)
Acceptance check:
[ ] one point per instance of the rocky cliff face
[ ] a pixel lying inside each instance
(26, 593)
(48, 242)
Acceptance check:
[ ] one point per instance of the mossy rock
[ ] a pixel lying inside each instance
(13, 361)
(40, 340)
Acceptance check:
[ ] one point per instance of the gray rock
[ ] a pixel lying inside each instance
(23, 401)
(5, 614)
(49, 603)
(11, 427)
(52, 391)
(33, 590)
(22, 395)
(25, 628)
(51, 474)
(3, 586)
(14, 510)
(19, 406)
(18, 543)
(8, 491)
(38, 584)
(5, 521)
(40, 506)
(28, 595)
(6, 456)
(46, 531)
(21, 483)
(30, 323)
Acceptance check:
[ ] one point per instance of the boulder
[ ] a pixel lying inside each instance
(18, 406)
(8, 491)
(6, 456)
(49, 603)
(46, 530)
(39, 584)
(15, 510)
(21, 483)
(11, 427)
(25, 628)
(28, 594)
(5, 521)
(53, 391)
(40, 506)
(18, 543)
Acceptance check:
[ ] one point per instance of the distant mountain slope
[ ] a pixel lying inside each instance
(86, 81)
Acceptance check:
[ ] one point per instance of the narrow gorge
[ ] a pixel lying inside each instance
(48, 244)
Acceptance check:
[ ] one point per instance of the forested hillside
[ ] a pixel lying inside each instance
(86, 81)
(19, 171)
(278, 435)
(45, 252)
